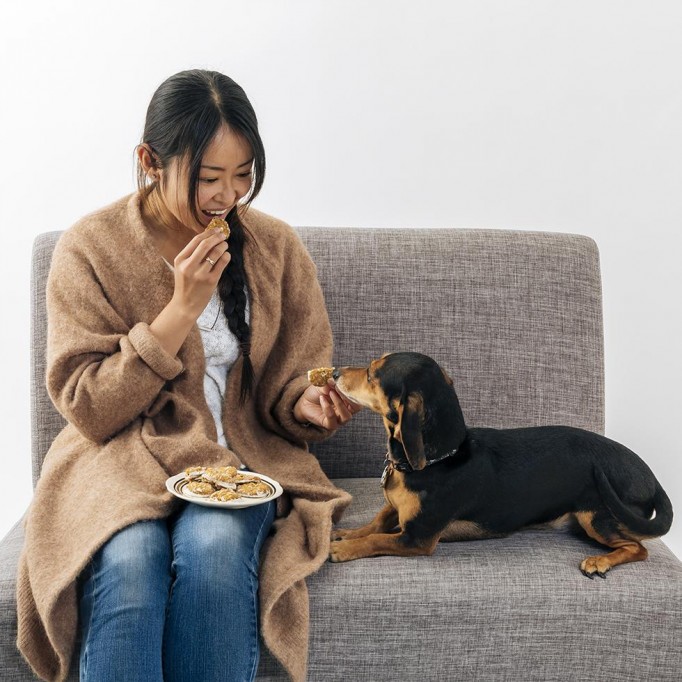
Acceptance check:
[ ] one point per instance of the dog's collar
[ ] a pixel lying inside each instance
(438, 459)
(405, 467)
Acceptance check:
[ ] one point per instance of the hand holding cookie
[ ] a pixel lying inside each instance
(321, 404)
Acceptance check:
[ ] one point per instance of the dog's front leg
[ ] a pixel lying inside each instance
(398, 544)
(385, 521)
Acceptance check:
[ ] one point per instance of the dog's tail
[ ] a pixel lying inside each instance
(653, 528)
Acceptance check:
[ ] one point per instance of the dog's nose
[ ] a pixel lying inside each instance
(336, 374)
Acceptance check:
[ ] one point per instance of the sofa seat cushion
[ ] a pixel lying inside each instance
(503, 609)
(508, 609)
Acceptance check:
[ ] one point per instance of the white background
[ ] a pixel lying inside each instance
(535, 115)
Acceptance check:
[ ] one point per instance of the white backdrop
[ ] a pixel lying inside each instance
(534, 115)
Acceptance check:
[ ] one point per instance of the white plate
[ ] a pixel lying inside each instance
(176, 485)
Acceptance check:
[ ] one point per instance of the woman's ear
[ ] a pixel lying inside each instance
(146, 157)
(409, 428)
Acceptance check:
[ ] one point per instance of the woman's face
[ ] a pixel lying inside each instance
(224, 179)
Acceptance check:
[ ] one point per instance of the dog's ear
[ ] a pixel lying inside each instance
(447, 377)
(409, 428)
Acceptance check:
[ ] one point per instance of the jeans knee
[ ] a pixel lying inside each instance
(135, 563)
(224, 548)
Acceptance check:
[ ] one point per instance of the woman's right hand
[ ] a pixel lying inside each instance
(195, 278)
(195, 282)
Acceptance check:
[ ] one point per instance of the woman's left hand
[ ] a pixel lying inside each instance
(325, 407)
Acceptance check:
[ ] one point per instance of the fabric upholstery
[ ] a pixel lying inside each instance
(515, 608)
(515, 318)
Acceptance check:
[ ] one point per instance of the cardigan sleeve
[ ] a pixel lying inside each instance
(101, 374)
(304, 341)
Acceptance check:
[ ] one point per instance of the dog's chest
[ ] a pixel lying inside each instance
(405, 501)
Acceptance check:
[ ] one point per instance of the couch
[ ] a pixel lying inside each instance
(515, 318)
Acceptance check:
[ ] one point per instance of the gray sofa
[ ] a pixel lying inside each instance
(515, 318)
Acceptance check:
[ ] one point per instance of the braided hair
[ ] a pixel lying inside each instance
(183, 116)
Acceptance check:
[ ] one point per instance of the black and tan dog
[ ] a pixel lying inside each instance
(443, 481)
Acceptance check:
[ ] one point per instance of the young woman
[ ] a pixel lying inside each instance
(170, 346)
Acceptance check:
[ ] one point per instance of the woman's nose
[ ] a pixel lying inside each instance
(228, 196)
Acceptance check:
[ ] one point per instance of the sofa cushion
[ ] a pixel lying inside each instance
(514, 608)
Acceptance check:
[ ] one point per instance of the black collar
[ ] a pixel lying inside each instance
(405, 466)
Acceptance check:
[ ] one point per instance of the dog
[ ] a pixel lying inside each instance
(446, 482)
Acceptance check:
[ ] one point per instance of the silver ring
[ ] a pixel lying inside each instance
(212, 262)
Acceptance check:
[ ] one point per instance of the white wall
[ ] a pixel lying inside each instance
(538, 115)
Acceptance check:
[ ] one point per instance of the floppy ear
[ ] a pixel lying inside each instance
(409, 428)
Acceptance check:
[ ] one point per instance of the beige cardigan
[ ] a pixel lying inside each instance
(137, 415)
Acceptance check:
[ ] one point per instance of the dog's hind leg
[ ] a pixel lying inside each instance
(601, 526)
(384, 522)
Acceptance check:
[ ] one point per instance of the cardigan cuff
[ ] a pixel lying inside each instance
(149, 348)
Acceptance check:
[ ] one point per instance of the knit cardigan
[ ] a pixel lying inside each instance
(137, 415)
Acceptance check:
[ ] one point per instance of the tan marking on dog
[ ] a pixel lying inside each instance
(626, 550)
(447, 377)
(406, 502)
(559, 523)
(385, 521)
(374, 365)
(377, 545)
(352, 382)
(463, 530)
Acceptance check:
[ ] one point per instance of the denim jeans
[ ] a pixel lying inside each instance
(175, 599)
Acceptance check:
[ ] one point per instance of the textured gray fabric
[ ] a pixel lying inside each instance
(511, 609)
(515, 319)
(516, 608)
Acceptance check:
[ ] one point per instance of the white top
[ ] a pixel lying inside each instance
(221, 348)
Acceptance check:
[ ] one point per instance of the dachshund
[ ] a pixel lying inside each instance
(446, 482)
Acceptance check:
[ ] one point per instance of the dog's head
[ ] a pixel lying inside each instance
(416, 400)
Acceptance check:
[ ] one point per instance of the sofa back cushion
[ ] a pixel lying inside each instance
(515, 318)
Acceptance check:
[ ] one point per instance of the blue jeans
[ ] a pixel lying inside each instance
(175, 599)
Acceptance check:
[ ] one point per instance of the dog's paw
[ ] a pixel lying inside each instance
(340, 551)
(595, 565)
(339, 533)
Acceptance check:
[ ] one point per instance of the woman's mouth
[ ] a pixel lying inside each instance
(209, 215)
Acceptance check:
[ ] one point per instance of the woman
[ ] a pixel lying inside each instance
(147, 315)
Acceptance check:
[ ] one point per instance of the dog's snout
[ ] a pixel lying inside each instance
(336, 374)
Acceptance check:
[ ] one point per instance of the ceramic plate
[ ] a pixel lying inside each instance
(177, 486)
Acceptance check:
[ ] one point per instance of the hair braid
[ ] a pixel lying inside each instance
(232, 288)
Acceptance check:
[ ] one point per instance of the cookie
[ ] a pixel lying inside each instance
(320, 376)
(219, 222)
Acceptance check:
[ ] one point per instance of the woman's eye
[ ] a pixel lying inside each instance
(209, 179)
(245, 175)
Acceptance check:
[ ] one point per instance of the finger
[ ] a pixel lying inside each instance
(199, 246)
(217, 252)
(223, 261)
(346, 402)
(210, 247)
(341, 407)
(197, 239)
(328, 411)
(324, 390)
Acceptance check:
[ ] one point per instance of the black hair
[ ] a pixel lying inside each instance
(184, 114)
